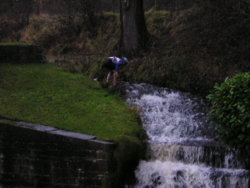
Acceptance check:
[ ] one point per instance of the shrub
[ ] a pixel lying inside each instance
(231, 111)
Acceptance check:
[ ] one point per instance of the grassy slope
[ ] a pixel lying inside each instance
(45, 94)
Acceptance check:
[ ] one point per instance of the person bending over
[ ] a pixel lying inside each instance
(113, 64)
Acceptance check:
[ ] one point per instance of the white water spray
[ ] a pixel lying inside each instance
(182, 151)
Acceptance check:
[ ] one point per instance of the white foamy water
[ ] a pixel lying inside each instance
(182, 152)
(169, 117)
(165, 174)
(208, 153)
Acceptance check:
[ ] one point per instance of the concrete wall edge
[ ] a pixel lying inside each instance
(54, 131)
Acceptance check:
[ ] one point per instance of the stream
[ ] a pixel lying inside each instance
(182, 151)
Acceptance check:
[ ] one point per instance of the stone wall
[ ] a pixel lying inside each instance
(34, 155)
(21, 54)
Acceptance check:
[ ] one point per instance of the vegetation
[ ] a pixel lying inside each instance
(195, 48)
(13, 44)
(231, 107)
(189, 50)
(186, 53)
(45, 94)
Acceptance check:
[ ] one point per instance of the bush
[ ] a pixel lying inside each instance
(231, 111)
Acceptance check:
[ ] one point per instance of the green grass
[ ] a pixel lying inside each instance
(14, 44)
(47, 95)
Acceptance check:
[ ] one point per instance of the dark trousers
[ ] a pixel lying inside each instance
(108, 64)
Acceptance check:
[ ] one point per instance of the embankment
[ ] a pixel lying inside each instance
(34, 155)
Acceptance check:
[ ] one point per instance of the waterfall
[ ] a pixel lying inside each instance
(182, 151)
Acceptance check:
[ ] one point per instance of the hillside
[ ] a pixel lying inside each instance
(190, 49)
(44, 94)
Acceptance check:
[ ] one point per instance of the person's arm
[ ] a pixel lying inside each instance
(116, 74)
(117, 65)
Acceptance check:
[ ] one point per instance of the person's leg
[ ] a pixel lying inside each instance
(109, 65)
(108, 77)
(115, 76)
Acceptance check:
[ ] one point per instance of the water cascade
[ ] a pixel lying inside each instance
(182, 150)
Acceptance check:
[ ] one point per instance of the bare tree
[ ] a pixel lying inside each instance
(134, 34)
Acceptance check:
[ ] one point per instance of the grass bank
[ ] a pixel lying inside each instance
(47, 95)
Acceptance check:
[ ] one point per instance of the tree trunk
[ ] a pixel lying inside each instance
(113, 6)
(134, 35)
